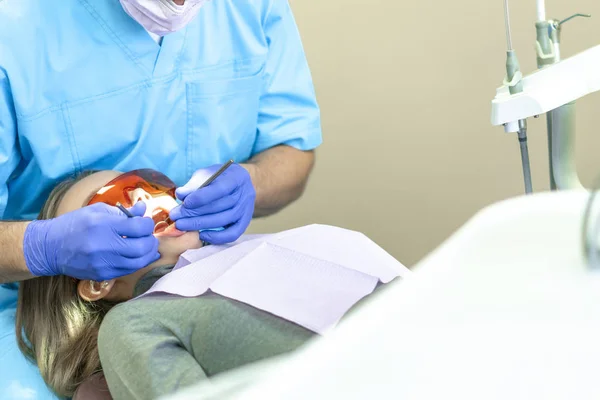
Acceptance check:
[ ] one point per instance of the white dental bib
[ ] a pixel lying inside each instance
(311, 276)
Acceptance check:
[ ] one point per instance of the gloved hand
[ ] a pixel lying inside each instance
(228, 202)
(97, 242)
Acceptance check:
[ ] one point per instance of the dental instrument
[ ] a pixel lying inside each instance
(216, 174)
(125, 211)
(552, 89)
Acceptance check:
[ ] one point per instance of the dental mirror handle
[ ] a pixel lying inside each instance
(125, 211)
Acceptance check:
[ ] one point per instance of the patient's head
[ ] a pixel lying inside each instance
(79, 193)
(58, 317)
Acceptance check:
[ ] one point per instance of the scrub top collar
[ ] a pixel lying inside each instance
(152, 59)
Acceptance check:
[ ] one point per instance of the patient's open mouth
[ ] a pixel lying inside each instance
(163, 226)
(169, 231)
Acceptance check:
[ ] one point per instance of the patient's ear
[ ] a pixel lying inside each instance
(94, 291)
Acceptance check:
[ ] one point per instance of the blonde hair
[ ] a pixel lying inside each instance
(55, 327)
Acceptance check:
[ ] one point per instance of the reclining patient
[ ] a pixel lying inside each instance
(149, 347)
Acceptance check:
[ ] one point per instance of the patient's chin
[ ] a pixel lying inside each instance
(170, 248)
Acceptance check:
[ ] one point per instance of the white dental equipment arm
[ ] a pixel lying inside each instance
(541, 10)
(552, 89)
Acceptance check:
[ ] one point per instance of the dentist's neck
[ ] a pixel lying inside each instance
(179, 2)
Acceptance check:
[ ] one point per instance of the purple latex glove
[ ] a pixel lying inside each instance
(97, 242)
(228, 203)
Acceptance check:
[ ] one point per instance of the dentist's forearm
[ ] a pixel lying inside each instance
(279, 176)
(12, 260)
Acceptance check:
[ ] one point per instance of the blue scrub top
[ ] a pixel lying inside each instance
(83, 86)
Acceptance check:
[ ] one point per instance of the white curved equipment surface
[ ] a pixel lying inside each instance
(506, 308)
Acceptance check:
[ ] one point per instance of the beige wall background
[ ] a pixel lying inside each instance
(405, 87)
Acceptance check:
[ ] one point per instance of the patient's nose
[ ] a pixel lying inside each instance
(139, 195)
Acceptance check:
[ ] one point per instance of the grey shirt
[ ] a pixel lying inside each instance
(159, 344)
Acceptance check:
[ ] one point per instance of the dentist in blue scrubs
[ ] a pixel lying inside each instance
(180, 86)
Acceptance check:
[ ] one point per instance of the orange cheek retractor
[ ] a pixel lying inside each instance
(154, 183)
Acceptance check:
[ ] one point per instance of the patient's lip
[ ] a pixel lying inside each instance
(169, 231)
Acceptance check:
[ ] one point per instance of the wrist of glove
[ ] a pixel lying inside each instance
(39, 262)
